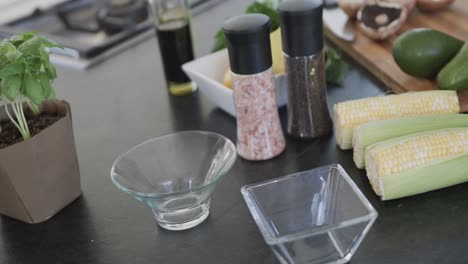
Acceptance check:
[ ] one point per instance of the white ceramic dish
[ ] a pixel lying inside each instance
(208, 73)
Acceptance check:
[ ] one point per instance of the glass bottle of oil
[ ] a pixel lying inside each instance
(171, 19)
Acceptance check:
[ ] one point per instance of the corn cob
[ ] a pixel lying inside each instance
(350, 114)
(418, 163)
(376, 131)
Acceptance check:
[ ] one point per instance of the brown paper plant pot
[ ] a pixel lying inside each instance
(40, 176)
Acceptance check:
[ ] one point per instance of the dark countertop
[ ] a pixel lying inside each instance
(123, 101)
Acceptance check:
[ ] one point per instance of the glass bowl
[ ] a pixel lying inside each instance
(316, 216)
(175, 175)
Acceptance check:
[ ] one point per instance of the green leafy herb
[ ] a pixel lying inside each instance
(11, 69)
(6, 47)
(13, 55)
(220, 41)
(25, 76)
(273, 4)
(261, 8)
(33, 89)
(335, 67)
(11, 86)
(46, 86)
(20, 39)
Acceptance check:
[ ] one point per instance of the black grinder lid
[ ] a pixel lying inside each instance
(248, 42)
(301, 27)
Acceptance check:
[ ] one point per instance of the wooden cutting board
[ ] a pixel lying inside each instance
(377, 58)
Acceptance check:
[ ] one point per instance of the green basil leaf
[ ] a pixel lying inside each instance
(11, 86)
(34, 108)
(3, 61)
(50, 70)
(52, 95)
(20, 39)
(13, 55)
(33, 90)
(335, 67)
(11, 69)
(46, 86)
(43, 55)
(273, 4)
(265, 9)
(49, 44)
(31, 46)
(34, 64)
(220, 41)
(6, 47)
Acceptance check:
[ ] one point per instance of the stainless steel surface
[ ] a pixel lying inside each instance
(338, 22)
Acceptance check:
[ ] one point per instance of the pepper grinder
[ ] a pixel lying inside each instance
(303, 47)
(259, 133)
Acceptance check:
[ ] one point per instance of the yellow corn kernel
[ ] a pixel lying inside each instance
(395, 156)
(348, 115)
(376, 131)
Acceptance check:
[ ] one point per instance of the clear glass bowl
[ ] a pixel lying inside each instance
(175, 175)
(316, 216)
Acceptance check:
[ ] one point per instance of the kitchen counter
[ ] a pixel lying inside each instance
(123, 101)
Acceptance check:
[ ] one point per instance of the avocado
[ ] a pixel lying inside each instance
(454, 76)
(423, 52)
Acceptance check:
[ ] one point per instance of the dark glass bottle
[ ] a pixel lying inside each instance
(171, 20)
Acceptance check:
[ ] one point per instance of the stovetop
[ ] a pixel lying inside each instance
(89, 27)
(86, 26)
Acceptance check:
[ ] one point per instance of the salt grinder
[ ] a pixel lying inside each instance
(259, 133)
(303, 47)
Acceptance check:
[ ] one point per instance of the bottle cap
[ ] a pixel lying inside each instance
(301, 27)
(248, 42)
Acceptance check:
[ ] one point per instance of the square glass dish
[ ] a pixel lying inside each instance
(315, 216)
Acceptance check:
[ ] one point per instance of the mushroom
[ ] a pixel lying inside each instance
(433, 5)
(351, 7)
(380, 20)
(408, 4)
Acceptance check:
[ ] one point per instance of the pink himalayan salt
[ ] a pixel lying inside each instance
(259, 133)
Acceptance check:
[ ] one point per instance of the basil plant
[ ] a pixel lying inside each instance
(26, 75)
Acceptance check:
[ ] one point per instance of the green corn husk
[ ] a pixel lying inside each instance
(418, 163)
(427, 178)
(381, 130)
